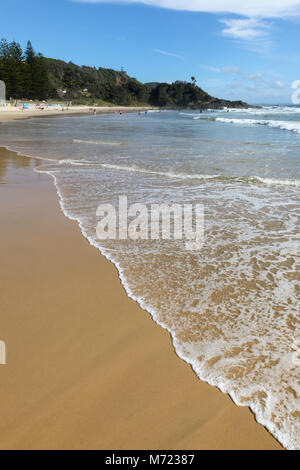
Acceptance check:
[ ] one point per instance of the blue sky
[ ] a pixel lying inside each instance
(236, 49)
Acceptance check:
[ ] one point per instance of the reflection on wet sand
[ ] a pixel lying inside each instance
(9, 162)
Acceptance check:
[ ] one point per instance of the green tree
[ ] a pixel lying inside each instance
(29, 53)
(15, 63)
(36, 75)
(4, 49)
(4, 65)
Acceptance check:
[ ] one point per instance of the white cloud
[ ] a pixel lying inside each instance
(226, 69)
(252, 31)
(235, 85)
(210, 68)
(250, 8)
(169, 54)
(255, 76)
(276, 84)
(229, 70)
(247, 29)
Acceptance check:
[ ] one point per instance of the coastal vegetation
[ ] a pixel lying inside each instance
(30, 76)
(25, 73)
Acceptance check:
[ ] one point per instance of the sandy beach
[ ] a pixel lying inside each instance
(12, 113)
(87, 368)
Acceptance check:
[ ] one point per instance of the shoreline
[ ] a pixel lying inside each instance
(18, 114)
(241, 432)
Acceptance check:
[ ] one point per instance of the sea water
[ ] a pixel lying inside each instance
(232, 307)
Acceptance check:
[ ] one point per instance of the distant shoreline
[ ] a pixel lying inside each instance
(19, 114)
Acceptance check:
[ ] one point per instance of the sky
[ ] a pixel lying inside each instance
(236, 49)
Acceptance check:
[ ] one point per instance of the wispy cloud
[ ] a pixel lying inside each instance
(236, 85)
(245, 29)
(169, 54)
(251, 33)
(210, 68)
(249, 8)
(253, 30)
(237, 79)
(278, 84)
(230, 70)
(255, 76)
(226, 69)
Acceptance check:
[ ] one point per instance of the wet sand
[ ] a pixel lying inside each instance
(87, 368)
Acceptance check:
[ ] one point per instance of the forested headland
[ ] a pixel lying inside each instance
(31, 76)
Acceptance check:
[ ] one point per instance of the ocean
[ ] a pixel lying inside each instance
(232, 307)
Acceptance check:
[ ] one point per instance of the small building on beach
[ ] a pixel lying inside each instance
(2, 93)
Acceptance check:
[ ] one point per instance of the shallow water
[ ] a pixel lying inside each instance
(232, 307)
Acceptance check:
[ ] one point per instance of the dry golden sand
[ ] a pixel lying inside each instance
(11, 114)
(86, 366)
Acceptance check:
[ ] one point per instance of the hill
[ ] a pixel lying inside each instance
(188, 95)
(31, 76)
(83, 83)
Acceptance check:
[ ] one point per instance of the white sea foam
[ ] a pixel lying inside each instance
(284, 125)
(204, 117)
(70, 161)
(95, 142)
(110, 166)
(183, 176)
(166, 174)
(271, 110)
(265, 110)
(278, 181)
